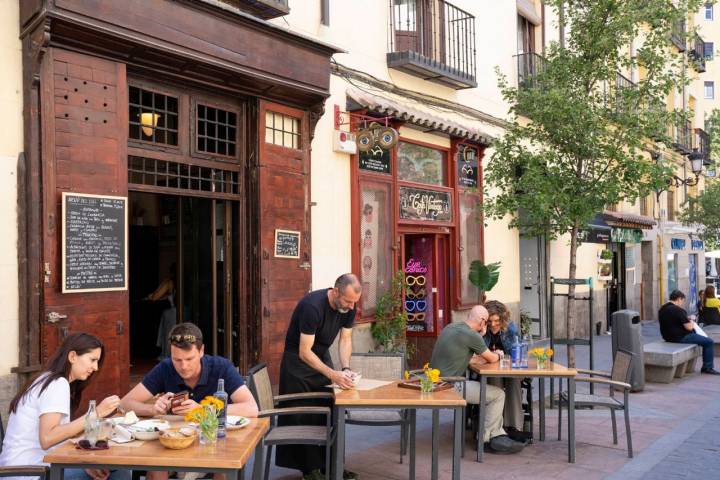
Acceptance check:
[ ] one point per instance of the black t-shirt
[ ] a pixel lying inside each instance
(672, 321)
(314, 316)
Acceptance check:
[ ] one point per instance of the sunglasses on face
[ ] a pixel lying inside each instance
(415, 305)
(183, 338)
(415, 280)
(416, 316)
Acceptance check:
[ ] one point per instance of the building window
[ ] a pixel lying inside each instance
(708, 11)
(644, 206)
(153, 117)
(671, 205)
(525, 35)
(216, 131)
(182, 176)
(710, 90)
(282, 130)
(421, 164)
(672, 272)
(709, 50)
(376, 259)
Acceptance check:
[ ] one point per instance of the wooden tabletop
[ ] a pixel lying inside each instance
(231, 452)
(493, 369)
(392, 395)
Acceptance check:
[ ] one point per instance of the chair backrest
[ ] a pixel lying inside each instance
(261, 387)
(621, 366)
(378, 366)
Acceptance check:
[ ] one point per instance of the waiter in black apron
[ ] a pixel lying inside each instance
(306, 364)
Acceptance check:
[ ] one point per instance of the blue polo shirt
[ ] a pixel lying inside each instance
(163, 378)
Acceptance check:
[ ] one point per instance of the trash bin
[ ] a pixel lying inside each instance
(626, 336)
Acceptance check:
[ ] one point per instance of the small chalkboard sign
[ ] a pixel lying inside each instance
(287, 244)
(375, 160)
(94, 243)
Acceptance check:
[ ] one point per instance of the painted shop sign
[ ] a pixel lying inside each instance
(287, 244)
(626, 235)
(594, 235)
(677, 243)
(375, 160)
(94, 243)
(467, 165)
(421, 204)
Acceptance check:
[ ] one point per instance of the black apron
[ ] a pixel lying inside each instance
(297, 376)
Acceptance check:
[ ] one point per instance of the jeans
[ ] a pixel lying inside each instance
(707, 344)
(79, 474)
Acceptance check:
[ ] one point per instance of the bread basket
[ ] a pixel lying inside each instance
(172, 438)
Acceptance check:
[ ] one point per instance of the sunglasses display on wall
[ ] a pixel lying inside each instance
(415, 305)
(415, 280)
(413, 295)
(416, 317)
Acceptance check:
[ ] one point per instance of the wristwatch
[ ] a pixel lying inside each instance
(347, 368)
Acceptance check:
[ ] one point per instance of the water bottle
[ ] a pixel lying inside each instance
(222, 417)
(92, 424)
(525, 348)
(516, 352)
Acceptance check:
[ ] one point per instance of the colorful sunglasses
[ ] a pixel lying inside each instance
(416, 316)
(415, 280)
(415, 305)
(420, 294)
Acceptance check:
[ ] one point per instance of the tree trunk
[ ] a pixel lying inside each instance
(571, 306)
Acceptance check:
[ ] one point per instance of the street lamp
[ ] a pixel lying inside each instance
(696, 164)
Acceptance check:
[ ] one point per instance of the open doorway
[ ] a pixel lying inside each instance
(185, 244)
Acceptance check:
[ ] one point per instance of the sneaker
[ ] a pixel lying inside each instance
(518, 435)
(710, 371)
(502, 444)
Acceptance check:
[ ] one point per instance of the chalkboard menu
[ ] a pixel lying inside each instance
(94, 243)
(467, 165)
(375, 160)
(421, 204)
(287, 244)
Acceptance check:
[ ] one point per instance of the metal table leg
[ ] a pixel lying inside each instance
(339, 442)
(413, 425)
(259, 466)
(571, 419)
(541, 403)
(459, 425)
(56, 472)
(435, 442)
(481, 418)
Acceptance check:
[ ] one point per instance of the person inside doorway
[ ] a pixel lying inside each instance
(499, 337)
(454, 348)
(40, 412)
(306, 365)
(675, 326)
(165, 293)
(709, 307)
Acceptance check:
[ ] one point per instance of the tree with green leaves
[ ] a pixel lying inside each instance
(588, 132)
(704, 210)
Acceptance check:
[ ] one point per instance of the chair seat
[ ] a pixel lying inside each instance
(600, 400)
(296, 435)
(374, 416)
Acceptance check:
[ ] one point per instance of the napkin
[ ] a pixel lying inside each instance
(121, 435)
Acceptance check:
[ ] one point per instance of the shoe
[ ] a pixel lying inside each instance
(710, 371)
(502, 444)
(518, 435)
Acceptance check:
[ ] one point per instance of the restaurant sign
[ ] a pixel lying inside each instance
(626, 235)
(421, 204)
(375, 160)
(594, 235)
(697, 245)
(677, 243)
(467, 165)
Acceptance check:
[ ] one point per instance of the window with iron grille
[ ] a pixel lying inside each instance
(182, 176)
(282, 130)
(216, 132)
(153, 117)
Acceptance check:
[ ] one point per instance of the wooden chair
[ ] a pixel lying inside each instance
(616, 380)
(381, 366)
(21, 470)
(321, 435)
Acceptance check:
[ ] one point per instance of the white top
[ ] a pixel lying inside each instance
(22, 438)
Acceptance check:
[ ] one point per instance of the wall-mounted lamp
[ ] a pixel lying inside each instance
(696, 163)
(149, 121)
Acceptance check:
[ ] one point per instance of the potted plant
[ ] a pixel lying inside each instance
(390, 325)
(484, 277)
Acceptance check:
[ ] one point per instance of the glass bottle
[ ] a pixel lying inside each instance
(222, 416)
(516, 352)
(92, 424)
(525, 351)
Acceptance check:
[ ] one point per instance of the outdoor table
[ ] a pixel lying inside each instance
(484, 370)
(228, 456)
(392, 396)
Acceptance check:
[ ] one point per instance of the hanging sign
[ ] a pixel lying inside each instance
(94, 243)
(421, 204)
(375, 160)
(287, 244)
(467, 165)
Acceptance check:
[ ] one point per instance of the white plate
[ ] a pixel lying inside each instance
(235, 422)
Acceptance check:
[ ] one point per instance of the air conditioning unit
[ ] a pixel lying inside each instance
(344, 142)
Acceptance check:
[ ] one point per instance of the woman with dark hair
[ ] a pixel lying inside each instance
(710, 311)
(40, 412)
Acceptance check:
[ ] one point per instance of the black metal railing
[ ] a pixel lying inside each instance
(697, 54)
(678, 35)
(682, 136)
(437, 34)
(529, 66)
(702, 144)
(621, 103)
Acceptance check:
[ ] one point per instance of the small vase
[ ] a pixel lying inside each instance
(542, 363)
(208, 436)
(426, 387)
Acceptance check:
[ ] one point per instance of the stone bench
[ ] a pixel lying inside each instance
(665, 361)
(713, 331)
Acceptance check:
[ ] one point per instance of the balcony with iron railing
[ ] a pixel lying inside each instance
(697, 54)
(677, 36)
(433, 40)
(702, 145)
(619, 101)
(529, 66)
(682, 137)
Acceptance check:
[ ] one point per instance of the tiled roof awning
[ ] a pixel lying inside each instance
(628, 220)
(414, 113)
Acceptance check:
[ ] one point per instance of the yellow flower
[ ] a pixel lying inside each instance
(407, 375)
(549, 352)
(426, 366)
(434, 375)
